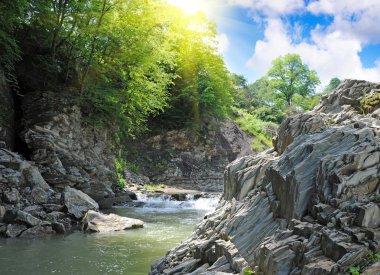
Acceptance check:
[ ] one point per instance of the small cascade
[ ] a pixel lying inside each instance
(166, 203)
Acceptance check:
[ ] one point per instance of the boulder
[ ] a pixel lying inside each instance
(11, 196)
(77, 202)
(14, 230)
(37, 232)
(97, 222)
(27, 219)
(39, 195)
(369, 216)
(33, 177)
(58, 227)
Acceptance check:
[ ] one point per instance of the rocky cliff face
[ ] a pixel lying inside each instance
(184, 159)
(66, 169)
(67, 152)
(308, 206)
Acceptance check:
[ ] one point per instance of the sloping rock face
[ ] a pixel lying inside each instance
(66, 151)
(184, 159)
(308, 206)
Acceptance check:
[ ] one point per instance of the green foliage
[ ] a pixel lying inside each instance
(11, 16)
(306, 103)
(261, 131)
(249, 272)
(374, 258)
(354, 270)
(370, 102)
(377, 198)
(289, 76)
(333, 84)
(203, 87)
(154, 187)
(120, 165)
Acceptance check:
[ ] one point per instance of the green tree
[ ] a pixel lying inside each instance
(289, 76)
(333, 84)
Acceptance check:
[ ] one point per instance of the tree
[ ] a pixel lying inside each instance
(289, 76)
(333, 84)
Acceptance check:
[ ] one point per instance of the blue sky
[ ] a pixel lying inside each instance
(337, 38)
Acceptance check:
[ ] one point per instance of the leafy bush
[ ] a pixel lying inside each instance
(261, 131)
(120, 165)
(354, 270)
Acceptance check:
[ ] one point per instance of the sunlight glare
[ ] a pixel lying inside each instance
(190, 6)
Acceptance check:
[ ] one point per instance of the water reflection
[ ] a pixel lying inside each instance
(128, 252)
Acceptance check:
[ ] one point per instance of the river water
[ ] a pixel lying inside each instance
(130, 252)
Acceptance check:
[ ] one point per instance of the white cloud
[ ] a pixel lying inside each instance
(357, 18)
(223, 43)
(270, 8)
(331, 54)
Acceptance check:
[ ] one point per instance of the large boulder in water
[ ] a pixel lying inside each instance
(77, 202)
(97, 222)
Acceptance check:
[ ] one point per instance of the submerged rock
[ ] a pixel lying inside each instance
(97, 222)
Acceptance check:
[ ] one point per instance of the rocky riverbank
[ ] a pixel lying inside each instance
(308, 206)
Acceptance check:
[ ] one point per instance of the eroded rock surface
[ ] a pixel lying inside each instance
(310, 206)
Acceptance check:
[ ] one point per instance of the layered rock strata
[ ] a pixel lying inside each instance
(183, 158)
(308, 206)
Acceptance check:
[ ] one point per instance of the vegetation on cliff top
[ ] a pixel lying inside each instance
(130, 62)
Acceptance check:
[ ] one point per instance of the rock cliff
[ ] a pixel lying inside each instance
(185, 159)
(59, 169)
(308, 206)
(67, 151)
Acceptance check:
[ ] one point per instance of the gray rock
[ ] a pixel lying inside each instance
(39, 195)
(3, 229)
(183, 268)
(55, 216)
(59, 228)
(37, 232)
(310, 210)
(14, 230)
(77, 202)
(102, 223)
(369, 216)
(10, 215)
(2, 212)
(27, 219)
(12, 196)
(33, 177)
(53, 207)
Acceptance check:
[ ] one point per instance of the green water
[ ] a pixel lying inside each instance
(128, 252)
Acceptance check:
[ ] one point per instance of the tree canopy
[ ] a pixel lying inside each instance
(289, 76)
(125, 60)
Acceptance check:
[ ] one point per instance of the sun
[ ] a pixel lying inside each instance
(190, 6)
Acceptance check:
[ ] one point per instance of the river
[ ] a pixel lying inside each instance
(130, 252)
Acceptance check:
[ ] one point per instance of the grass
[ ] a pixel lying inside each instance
(154, 187)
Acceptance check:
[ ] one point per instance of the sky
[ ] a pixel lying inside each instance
(336, 38)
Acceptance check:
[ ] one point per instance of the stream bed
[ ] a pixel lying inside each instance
(131, 252)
